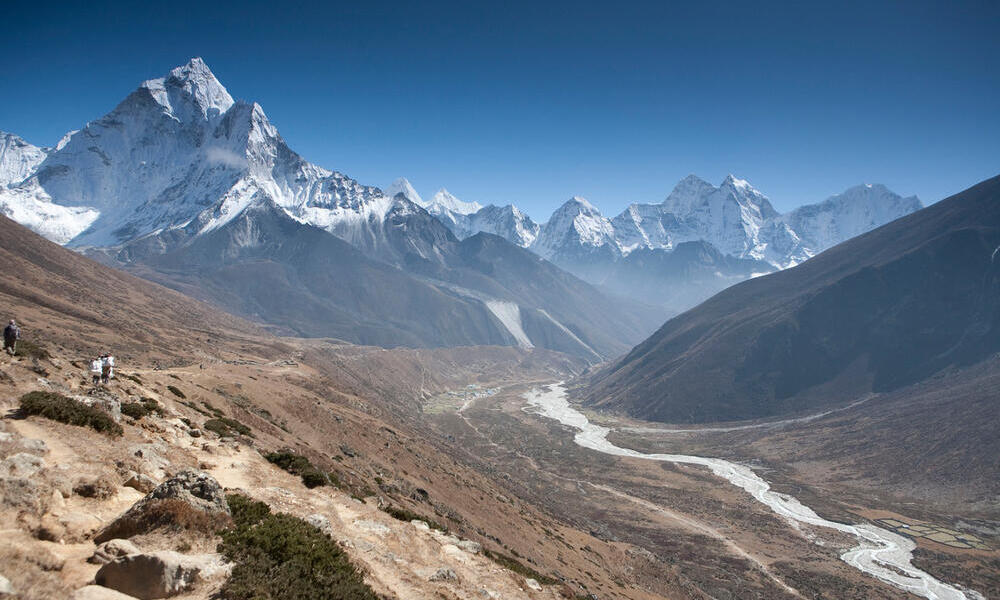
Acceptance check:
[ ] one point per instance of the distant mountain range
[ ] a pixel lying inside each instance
(191, 188)
(912, 300)
(726, 234)
(185, 186)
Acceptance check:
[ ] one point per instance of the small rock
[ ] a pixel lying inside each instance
(320, 522)
(470, 546)
(348, 451)
(420, 525)
(99, 592)
(34, 446)
(140, 482)
(532, 584)
(444, 574)
(112, 549)
(154, 575)
(6, 589)
(195, 433)
(6, 438)
(21, 464)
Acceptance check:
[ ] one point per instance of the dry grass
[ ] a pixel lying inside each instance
(169, 514)
(33, 573)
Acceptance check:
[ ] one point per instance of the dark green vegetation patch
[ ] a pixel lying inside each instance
(176, 392)
(296, 464)
(281, 556)
(66, 410)
(512, 564)
(403, 514)
(226, 427)
(138, 410)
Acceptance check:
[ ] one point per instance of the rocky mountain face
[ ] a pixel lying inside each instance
(903, 303)
(187, 186)
(746, 235)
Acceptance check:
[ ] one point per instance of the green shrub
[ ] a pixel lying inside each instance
(227, 427)
(176, 392)
(66, 410)
(138, 410)
(130, 377)
(29, 349)
(281, 556)
(512, 565)
(296, 464)
(314, 478)
(403, 514)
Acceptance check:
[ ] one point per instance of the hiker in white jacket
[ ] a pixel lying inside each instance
(95, 370)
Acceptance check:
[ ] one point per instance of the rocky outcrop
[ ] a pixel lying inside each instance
(189, 499)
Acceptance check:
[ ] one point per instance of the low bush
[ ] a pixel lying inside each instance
(227, 427)
(513, 565)
(138, 410)
(403, 514)
(296, 464)
(281, 556)
(66, 410)
(173, 390)
(130, 377)
(29, 349)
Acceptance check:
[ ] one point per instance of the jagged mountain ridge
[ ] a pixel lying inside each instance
(896, 306)
(747, 234)
(148, 186)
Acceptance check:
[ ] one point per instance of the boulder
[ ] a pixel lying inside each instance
(320, 522)
(104, 401)
(470, 546)
(150, 576)
(184, 498)
(99, 592)
(79, 526)
(531, 584)
(112, 549)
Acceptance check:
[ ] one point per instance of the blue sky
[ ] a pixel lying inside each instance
(530, 104)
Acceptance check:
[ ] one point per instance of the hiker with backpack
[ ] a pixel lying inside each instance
(11, 333)
(96, 368)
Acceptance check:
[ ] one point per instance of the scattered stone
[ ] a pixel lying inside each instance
(21, 464)
(348, 451)
(196, 489)
(421, 525)
(112, 549)
(99, 592)
(444, 574)
(140, 482)
(320, 522)
(532, 584)
(150, 576)
(372, 526)
(470, 546)
(205, 466)
(34, 446)
(23, 494)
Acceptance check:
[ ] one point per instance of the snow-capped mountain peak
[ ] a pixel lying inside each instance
(191, 90)
(402, 186)
(443, 199)
(18, 158)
